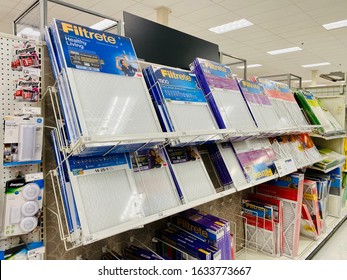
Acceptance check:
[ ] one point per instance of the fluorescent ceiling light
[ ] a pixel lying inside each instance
(315, 64)
(288, 50)
(304, 81)
(249, 66)
(242, 23)
(104, 24)
(336, 24)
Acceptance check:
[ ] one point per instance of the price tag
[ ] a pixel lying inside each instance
(36, 252)
(31, 110)
(33, 177)
(285, 166)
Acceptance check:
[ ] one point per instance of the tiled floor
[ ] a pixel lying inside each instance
(336, 247)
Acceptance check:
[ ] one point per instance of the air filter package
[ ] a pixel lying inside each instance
(105, 193)
(317, 113)
(69, 204)
(284, 103)
(189, 173)
(289, 189)
(154, 180)
(180, 103)
(244, 162)
(260, 105)
(102, 88)
(223, 95)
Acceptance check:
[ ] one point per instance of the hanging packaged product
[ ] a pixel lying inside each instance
(189, 173)
(181, 104)
(23, 204)
(27, 85)
(22, 140)
(30, 251)
(223, 95)
(154, 180)
(91, 61)
(260, 105)
(25, 55)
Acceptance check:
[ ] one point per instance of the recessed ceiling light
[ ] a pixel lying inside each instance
(287, 50)
(104, 24)
(249, 66)
(242, 23)
(336, 24)
(315, 64)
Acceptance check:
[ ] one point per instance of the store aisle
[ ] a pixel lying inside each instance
(336, 247)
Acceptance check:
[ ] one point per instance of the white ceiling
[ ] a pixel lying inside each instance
(277, 24)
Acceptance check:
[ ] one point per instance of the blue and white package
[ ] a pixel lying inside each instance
(189, 173)
(260, 105)
(219, 165)
(153, 179)
(68, 199)
(106, 195)
(181, 104)
(223, 95)
(106, 91)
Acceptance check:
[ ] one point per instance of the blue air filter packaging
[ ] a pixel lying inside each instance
(105, 88)
(111, 206)
(181, 104)
(189, 173)
(223, 95)
(68, 199)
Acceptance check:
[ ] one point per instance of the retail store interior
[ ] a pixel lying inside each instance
(128, 124)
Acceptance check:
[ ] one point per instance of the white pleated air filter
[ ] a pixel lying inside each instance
(123, 109)
(223, 95)
(232, 165)
(106, 195)
(260, 105)
(108, 92)
(291, 104)
(190, 173)
(154, 180)
(184, 101)
(279, 102)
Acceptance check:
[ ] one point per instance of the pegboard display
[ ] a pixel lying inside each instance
(10, 106)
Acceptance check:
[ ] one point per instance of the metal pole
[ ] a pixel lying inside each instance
(43, 18)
